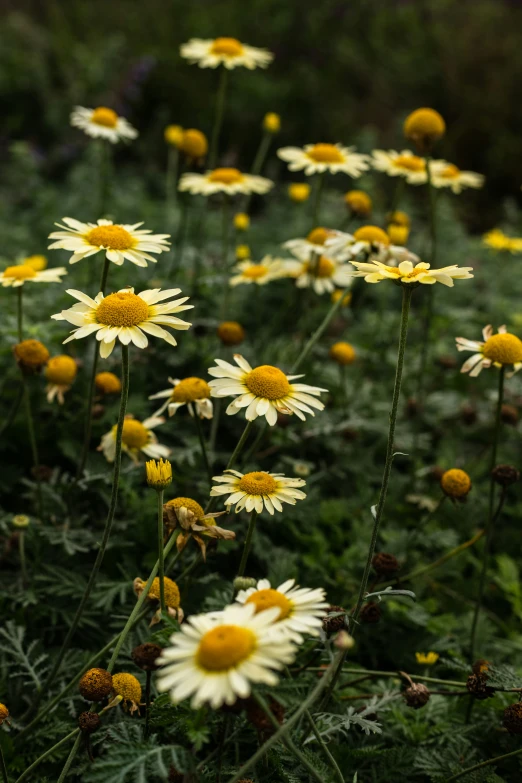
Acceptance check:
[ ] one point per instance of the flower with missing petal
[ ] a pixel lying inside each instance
(103, 123)
(224, 180)
(301, 609)
(118, 242)
(318, 158)
(192, 392)
(263, 391)
(250, 272)
(188, 515)
(229, 52)
(407, 274)
(401, 164)
(500, 350)
(447, 175)
(125, 316)
(257, 490)
(215, 657)
(137, 438)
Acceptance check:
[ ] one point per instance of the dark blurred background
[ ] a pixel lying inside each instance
(345, 70)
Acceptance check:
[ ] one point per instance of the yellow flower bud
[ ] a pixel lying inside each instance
(272, 123)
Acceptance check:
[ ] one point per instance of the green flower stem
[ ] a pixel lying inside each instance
(218, 118)
(319, 331)
(19, 313)
(399, 188)
(317, 200)
(70, 685)
(104, 174)
(287, 741)
(483, 764)
(284, 730)
(92, 386)
(139, 603)
(233, 459)
(171, 190)
(181, 237)
(108, 523)
(489, 524)
(407, 292)
(70, 759)
(3, 768)
(27, 773)
(161, 565)
(225, 242)
(396, 675)
(433, 217)
(147, 702)
(34, 446)
(248, 543)
(259, 160)
(203, 447)
(13, 410)
(214, 427)
(21, 552)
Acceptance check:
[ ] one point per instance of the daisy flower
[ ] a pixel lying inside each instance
(368, 239)
(406, 272)
(102, 123)
(447, 175)
(265, 271)
(210, 53)
(256, 490)
(303, 248)
(263, 391)
(119, 242)
(301, 609)
(318, 158)
(323, 274)
(192, 392)
(137, 437)
(225, 180)
(401, 164)
(497, 240)
(215, 657)
(188, 515)
(18, 274)
(60, 373)
(499, 350)
(125, 316)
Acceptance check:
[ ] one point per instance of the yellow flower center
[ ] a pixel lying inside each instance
(266, 599)
(190, 389)
(173, 134)
(257, 483)
(456, 483)
(231, 333)
(372, 234)
(503, 348)
(299, 191)
(36, 262)
(122, 309)
(318, 236)
(326, 153)
(20, 272)
(108, 383)
(226, 176)
(172, 597)
(110, 237)
(359, 202)
(321, 268)
(413, 273)
(399, 218)
(32, 353)
(424, 126)
(255, 271)
(134, 435)
(61, 370)
(268, 382)
(230, 47)
(225, 647)
(410, 163)
(194, 143)
(127, 686)
(106, 117)
(451, 171)
(342, 353)
(188, 503)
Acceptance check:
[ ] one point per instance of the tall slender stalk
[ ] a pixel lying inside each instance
(233, 459)
(27, 773)
(161, 566)
(181, 236)
(319, 331)
(218, 117)
(489, 524)
(34, 446)
(108, 523)
(225, 242)
(204, 455)
(19, 313)
(483, 764)
(397, 193)
(70, 759)
(257, 166)
(317, 199)
(3, 768)
(171, 190)
(248, 543)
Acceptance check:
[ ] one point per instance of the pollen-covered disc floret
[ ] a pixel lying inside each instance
(216, 657)
(159, 473)
(188, 515)
(230, 333)
(455, 483)
(194, 144)
(424, 127)
(60, 373)
(125, 316)
(301, 609)
(19, 274)
(263, 391)
(318, 158)
(500, 350)
(129, 688)
(103, 123)
(250, 272)
(107, 383)
(192, 392)
(137, 438)
(407, 273)
(401, 164)
(31, 355)
(229, 52)
(257, 490)
(447, 175)
(358, 202)
(95, 684)
(224, 180)
(172, 597)
(342, 353)
(118, 242)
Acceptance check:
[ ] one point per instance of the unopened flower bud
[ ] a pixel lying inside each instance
(416, 695)
(343, 641)
(243, 583)
(505, 475)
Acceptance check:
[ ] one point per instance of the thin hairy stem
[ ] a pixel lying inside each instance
(319, 331)
(203, 447)
(161, 565)
(248, 543)
(317, 199)
(218, 118)
(27, 773)
(483, 764)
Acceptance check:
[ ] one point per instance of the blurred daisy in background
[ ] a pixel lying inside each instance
(119, 242)
(192, 392)
(60, 373)
(321, 273)
(257, 490)
(102, 123)
(401, 164)
(125, 316)
(229, 52)
(318, 158)
(497, 240)
(224, 180)
(260, 273)
(447, 175)
(137, 438)
(263, 391)
(315, 241)
(16, 275)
